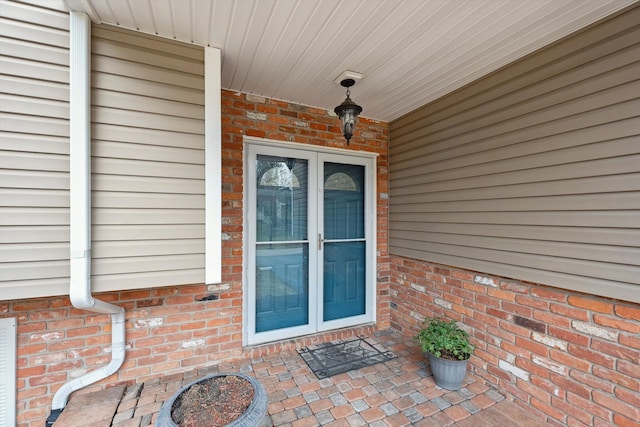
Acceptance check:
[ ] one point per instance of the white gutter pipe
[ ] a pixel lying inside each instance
(80, 190)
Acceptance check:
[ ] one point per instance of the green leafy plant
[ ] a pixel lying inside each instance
(444, 339)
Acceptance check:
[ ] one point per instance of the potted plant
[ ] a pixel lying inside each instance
(448, 349)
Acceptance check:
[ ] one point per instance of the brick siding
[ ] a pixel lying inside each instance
(572, 358)
(173, 329)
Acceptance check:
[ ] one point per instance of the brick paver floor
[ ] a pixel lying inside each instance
(399, 392)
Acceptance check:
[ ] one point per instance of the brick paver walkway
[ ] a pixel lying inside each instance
(396, 393)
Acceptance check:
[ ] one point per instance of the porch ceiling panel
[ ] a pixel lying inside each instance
(410, 52)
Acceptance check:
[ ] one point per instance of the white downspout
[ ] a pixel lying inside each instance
(80, 203)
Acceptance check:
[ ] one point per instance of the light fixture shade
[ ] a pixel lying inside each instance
(348, 112)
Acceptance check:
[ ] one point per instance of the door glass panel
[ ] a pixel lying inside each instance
(282, 199)
(282, 247)
(344, 248)
(282, 291)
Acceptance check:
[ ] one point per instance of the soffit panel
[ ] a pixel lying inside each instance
(410, 52)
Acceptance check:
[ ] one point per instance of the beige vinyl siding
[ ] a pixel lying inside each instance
(34, 149)
(532, 172)
(147, 161)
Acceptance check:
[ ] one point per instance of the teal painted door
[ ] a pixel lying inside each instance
(344, 261)
(282, 246)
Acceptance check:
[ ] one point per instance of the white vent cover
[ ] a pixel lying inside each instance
(8, 372)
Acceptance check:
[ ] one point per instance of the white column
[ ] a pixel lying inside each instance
(213, 165)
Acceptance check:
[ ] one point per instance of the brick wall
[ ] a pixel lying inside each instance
(572, 358)
(256, 116)
(172, 329)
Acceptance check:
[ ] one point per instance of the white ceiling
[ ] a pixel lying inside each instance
(410, 51)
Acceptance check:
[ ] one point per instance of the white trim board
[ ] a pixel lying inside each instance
(8, 372)
(213, 174)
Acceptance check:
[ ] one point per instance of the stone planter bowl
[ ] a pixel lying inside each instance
(254, 416)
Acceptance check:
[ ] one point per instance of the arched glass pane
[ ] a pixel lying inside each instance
(279, 176)
(282, 199)
(340, 181)
(344, 201)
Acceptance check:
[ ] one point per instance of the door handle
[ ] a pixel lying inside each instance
(320, 241)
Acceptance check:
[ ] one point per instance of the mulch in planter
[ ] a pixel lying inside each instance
(212, 403)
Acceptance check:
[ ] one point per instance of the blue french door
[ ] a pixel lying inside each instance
(282, 244)
(309, 243)
(344, 260)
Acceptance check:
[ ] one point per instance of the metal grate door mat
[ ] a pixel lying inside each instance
(336, 357)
